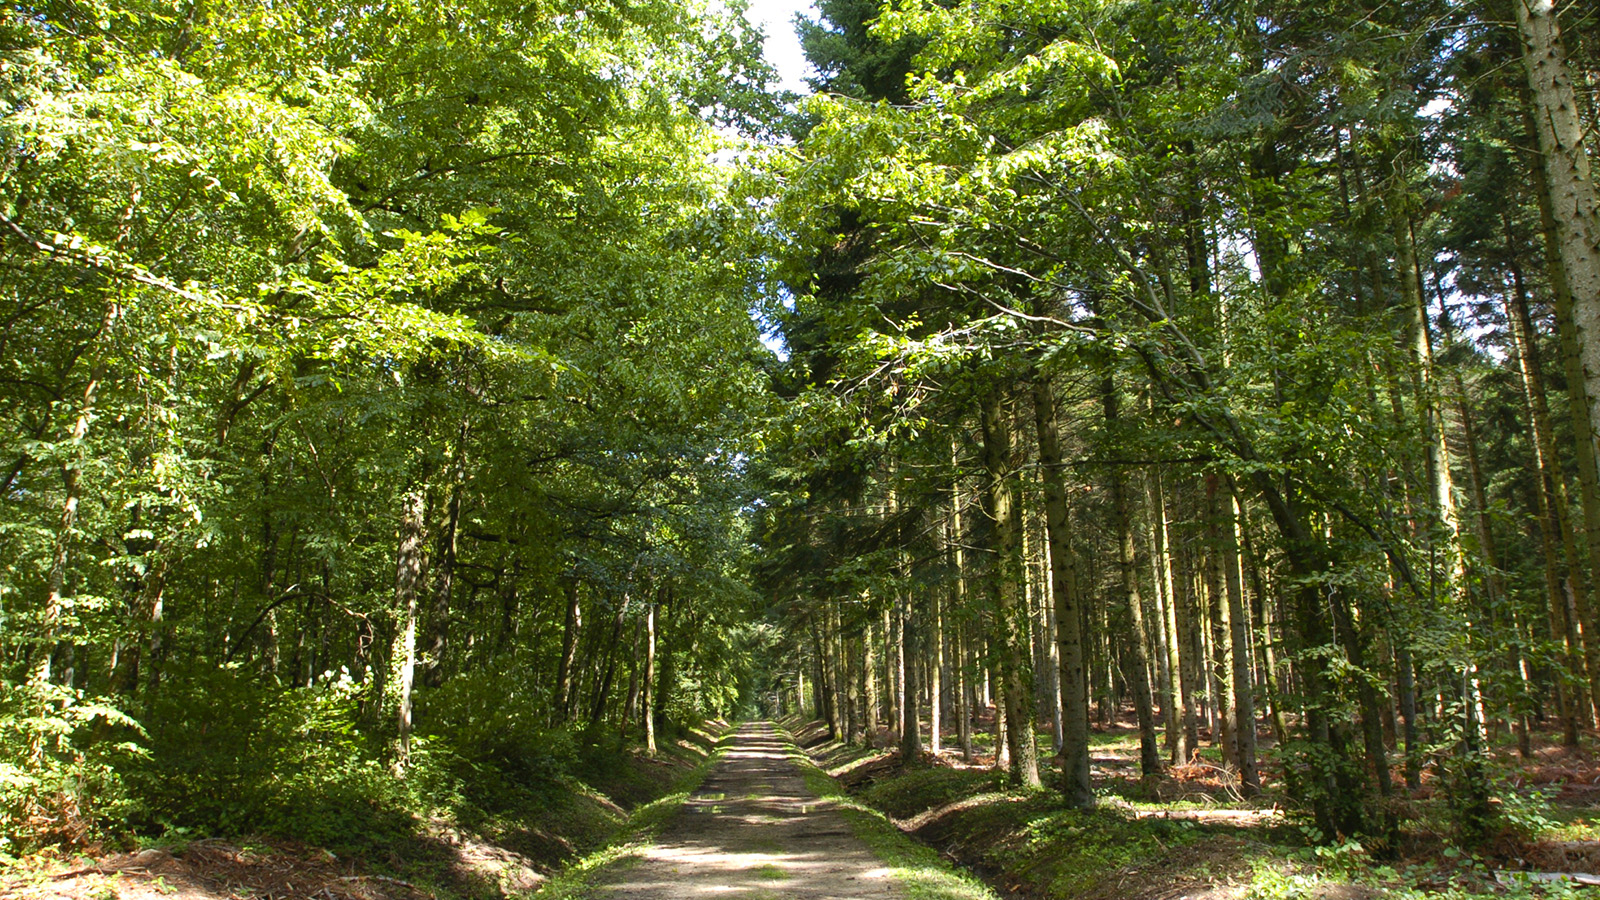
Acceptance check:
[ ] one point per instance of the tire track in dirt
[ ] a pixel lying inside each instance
(754, 832)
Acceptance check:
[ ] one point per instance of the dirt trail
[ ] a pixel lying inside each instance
(754, 830)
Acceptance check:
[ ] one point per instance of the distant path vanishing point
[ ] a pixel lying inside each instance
(754, 832)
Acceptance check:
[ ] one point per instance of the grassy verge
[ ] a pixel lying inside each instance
(472, 832)
(575, 881)
(1189, 844)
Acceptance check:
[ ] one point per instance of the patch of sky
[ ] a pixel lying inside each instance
(776, 19)
(772, 330)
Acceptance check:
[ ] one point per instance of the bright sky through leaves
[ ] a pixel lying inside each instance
(776, 20)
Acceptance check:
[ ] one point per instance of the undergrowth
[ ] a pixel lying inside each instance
(919, 790)
(1035, 847)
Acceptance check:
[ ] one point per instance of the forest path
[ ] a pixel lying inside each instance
(754, 831)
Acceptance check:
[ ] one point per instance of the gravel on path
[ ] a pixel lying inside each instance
(754, 831)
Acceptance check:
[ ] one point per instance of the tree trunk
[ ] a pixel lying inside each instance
(1075, 786)
(1164, 650)
(407, 580)
(1149, 750)
(1244, 728)
(1218, 611)
(911, 696)
(935, 639)
(1010, 618)
(647, 703)
(963, 656)
(565, 696)
(71, 484)
(1574, 207)
(444, 567)
(1562, 579)
(1182, 743)
(869, 681)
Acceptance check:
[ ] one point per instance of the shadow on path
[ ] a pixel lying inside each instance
(754, 830)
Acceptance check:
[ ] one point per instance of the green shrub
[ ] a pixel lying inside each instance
(230, 753)
(60, 753)
(473, 715)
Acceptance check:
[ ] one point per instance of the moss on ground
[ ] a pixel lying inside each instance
(1194, 845)
(919, 790)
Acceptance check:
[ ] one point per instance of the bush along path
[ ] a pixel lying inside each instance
(502, 838)
(758, 827)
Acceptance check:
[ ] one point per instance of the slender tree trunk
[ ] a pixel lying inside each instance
(635, 693)
(1186, 732)
(1265, 642)
(407, 581)
(1406, 677)
(844, 653)
(963, 693)
(565, 699)
(50, 615)
(666, 677)
(648, 703)
(1075, 785)
(897, 621)
(869, 680)
(1219, 609)
(911, 701)
(1011, 623)
(935, 679)
(1149, 750)
(963, 650)
(608, 672)
(1244, 709)
(1558, 577)
(444, 567)
(1002, 747)
(825, 680)
(1166, 653)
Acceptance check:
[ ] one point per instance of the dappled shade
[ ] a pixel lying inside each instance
(755, 828)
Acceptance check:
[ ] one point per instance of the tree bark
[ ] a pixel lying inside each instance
(1244, 709)
(869, 680)
(1075, 785)
(569, 647)
(647, 704)
(1139, 676)
(1574, 207)
(407, 580)
(1562, 580)
(444, 567)
(935, 640)
(962, 644)
(1010, 624)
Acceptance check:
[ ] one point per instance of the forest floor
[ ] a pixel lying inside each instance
(1193, 837)
(769, 820)
(439, 857)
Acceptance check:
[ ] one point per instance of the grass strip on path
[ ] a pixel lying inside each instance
(918, 869)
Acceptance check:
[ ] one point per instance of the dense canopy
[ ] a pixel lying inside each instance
(394, 393)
